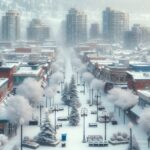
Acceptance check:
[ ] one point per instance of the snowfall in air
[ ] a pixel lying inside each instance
(69, 95)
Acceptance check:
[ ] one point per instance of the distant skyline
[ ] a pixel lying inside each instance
(139, 11)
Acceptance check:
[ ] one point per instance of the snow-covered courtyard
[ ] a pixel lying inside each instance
(75, 133)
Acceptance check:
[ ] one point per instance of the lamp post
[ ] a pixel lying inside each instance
(84, 87)
(77, 77)
(105, 114)
(97, 104)
(130, 125)
(84, 113)
(40, 112)
(68, 97)
(46, 101)
(21, 127)
(92, 95)
(55, 110)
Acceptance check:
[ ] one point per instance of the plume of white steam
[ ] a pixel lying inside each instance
(51, 91)
(123, 98)
(3, 139)
(113, 95)
(31, 89)
(87, 77)
(144, 120)
(17, 108)
(54, 67)
(97, 84)
(76, 62)
(3, 112)
(56, 78)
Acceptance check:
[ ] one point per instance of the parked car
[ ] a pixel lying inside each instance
(29, 143)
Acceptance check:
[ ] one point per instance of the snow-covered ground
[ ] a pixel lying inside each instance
(75, 134)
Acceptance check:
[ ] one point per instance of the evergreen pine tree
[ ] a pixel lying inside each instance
(74, 117)
(47, 136)
(65, 94)
(74, 100)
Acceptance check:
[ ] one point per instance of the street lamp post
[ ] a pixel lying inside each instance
(92, 91)
(97, 103)
(84, 113)
(77, 77)
(55, 110)
(46, 101)
(84, 87)
(105, 124)
(40, 113)
(130, 125)
(21, 134)
(68, 97)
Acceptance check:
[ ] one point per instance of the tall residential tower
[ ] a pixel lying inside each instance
(115, 24)
(76, 27)
(38, 31)
(11, 26)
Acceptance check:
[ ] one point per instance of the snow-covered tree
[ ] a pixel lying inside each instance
(3, 112)
(82, 68)
(47, 136)
(144, 120)
(65, 94)
(135, 144)
(73, 95)
(74, 117)
(3, 139)
(123, 99)
(54, 67)
(50, 92)
(31, 89)
(87, 77)
(18, 107)
(97, 84)
(56, 78)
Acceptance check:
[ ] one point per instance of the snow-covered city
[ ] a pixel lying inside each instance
(74, 75)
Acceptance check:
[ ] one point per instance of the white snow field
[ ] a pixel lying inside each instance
(75, 134)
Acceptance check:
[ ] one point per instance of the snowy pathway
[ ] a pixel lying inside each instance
(68, 68)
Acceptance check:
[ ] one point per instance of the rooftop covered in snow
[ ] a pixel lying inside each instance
(3, 81)
(139, 75)
(29, 70)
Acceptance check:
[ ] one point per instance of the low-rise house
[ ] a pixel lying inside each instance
(3, 88)
(7, 69)
(28, 71)
(138, 80)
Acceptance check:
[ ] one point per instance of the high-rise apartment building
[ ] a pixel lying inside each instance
(38, 31)
(11, 26)
(115, 24)
(94, 31)
(138, 35)
(76, 27)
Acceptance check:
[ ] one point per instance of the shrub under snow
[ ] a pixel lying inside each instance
(144, 120)
(122, 98)
(3, 139)
(31, 89)
(18, 107)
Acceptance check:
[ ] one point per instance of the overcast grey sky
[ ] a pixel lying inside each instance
(142, 6)
(139, 10)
